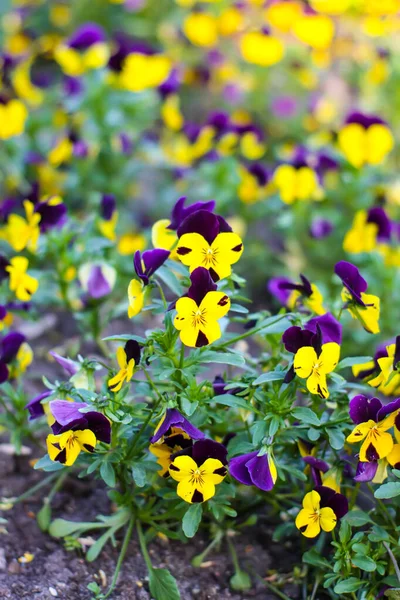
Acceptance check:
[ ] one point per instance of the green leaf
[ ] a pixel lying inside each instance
(108, 474)
(388, 490)
(314, 558)
(61, 527)
(336, 438)
(44, 516)
(365, 563)
(270, 376)
(346, 586)
(124, 337)
(192, 520)
(225, 358)
(232, 401)
(240, 581)
(46, 464)
(170, 280)
(394, 593)
(99, 544)
(357, 518)
(306, 415)
(163, 585)
(350, 361)
(345, 532)
(139, 475)
(238, 308)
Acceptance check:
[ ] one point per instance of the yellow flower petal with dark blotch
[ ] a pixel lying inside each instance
(194, 251)
(196, 483)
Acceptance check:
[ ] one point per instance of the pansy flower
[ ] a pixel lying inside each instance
(10, 345)
(145, 265)
(297, 180)
(254, 469)
(74, 431)
(141, 71)
(13, 115)
(85, 50)
(173, 433)
(322, 474)
(109, 217)
(198, 312)
(20, 282)
(52, 211)
(35, 406)
(388, 380)
(127, 357)
(373, 422)
(23, 232)
(320, 228)
(261, 48)
(6, 317)
(97, 279)
(206, 240)
(365, 139)
(322, 508)
(363, 307)
(368, 229)
(255, 182)
(314, 363)
(198, 470)
(290, 294)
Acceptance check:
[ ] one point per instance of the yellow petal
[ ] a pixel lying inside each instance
(182, 468)
(380, 142)
(352, 142)
(304, 360)
(329, 357)
(327, 519)
(215, 305)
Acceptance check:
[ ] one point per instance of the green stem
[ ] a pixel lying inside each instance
(274, 589)
(143, 547)
(143, 427)
(35, 488)
(121, 556)
(197, 560)
(56, 486)
(164, 300)
(248, 333)
(234, 557)
(394, 561)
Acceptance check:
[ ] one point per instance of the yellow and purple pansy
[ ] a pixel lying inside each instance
(85, 50)
(291, 294)
(128, 357)
(199, 469)
(75, 431)
(108, 217)
(297, 179)
(199, 311)
(322, 508)
(369, 229)
(365, 139)
(173, 434)
(145, 266)
(323, 474)
(363, 307)
(206, 240)
(388, 380)
(373, 423)
(10, 345)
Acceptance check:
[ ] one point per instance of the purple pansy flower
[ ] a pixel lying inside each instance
(320, 228)
(68, 417)
(318, 466)
(352, 280)
(85, 36)
(378, 216)
(71, 367)
(363, 408)
(53, 214)
(251, 469)
(366, 471)
(331, 329)
(173, 418)
(146, 264)
(35, 406)
(107, 206)
(9, 346)
(364, 119)
(337, 502)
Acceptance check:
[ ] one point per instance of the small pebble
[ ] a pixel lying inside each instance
(3, 562)
(14, 567)
(53, 592)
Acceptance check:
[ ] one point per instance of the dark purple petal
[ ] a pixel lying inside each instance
(378, 216)
(173, 418)
(66, 412)
(180, 212)
(35, 406)
(107, 206)
(352, 280)
(260, 473)
(362, 409)
(238, 468)
(132, 350)
(3, 312)
(154, 259)
(3, 372)
(206, 448)
(366, 471)
(202, 283)
(277, 286)
(97, 284)
(4, 262)
(295, 338)
(85, 36)
(316, 463)
(70, 366)
(219, 385)
(170, 85)
(388, 409)
(72, 86)
(331, 329)
(100, 425)
(364, 120)
(9, 346)
(320, 228)
(261, 173)
(202, 222)
(52, 215)
(337, 502)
